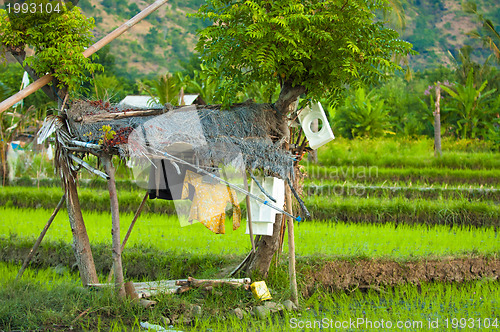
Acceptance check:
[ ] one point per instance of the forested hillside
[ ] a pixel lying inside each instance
(157, 44)
(435, 27)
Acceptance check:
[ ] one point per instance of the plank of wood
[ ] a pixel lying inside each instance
(119, 115)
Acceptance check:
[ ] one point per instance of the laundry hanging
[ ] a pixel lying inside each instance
(209, 202)
(166, 181)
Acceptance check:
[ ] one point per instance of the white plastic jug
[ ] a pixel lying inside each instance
(307, 117)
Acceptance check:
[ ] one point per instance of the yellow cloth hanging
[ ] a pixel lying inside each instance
(209, 203)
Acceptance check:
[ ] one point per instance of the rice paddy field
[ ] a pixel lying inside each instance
(397, 236)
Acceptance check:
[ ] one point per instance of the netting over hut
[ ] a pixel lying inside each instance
(216, 136)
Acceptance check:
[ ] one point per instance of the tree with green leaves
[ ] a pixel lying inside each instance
(364, 115)
(471, 107)
(310, 48)
(487, 33)
(58, 33)
(314, 48)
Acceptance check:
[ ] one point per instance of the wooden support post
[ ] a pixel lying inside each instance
(81, 244)
(249, 214)
(136, 216)
(291, 247)
(115, 228)
(40, 238)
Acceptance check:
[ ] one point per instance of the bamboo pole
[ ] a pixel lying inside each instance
(40, 238)
(291, 247)
(115, 228)
(38, 84)
(249, 213)
(125, 239)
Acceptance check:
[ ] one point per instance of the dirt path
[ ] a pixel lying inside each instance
(374, 273)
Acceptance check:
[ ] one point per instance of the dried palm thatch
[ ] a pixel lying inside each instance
(250, 131)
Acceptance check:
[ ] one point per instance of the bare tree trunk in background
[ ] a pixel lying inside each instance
(3, 159)
(437, 122)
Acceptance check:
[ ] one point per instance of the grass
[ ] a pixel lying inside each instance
(410, 176)
(337, 189)
(413, 153)
(45, 299)
(400, 210)
(312, 238)
(331, 205)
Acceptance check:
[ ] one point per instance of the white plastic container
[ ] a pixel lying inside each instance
(261, 228)
(307, 117)
(263, 216)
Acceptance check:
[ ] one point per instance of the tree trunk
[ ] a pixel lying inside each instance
(20, 55)
(266, 248)
(437, 123)
(4, 169)
(313, 155)
(81, 244)
(269, 245)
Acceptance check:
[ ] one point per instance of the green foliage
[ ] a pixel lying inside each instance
(164, 89)
(487, 33)
(363, 115)
(58, 38)
(202, 83)
(107, 87)
(5, 91)
(471, 107)
(320, 45)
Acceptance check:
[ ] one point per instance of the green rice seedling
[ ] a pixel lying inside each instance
(404, 152)
(337, 202)
(327, 238)
(337, 189)
(415, 176)
(47, 300)
(405, 211)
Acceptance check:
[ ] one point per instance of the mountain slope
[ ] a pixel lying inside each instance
(157, 44)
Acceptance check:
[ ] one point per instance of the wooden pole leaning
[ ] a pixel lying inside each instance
(41, 82)
(115, 228)
(40, 238)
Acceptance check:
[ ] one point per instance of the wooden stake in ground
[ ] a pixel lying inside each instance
(40, 238)
(136, 216)
(38, 84)
(249, 213)
(115, 228)
(437, 122)
(291, 247)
